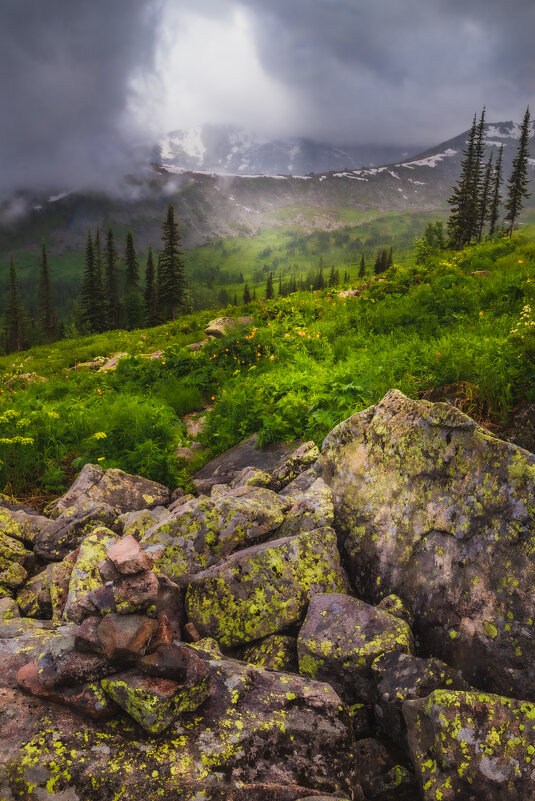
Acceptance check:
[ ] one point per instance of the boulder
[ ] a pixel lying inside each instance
(472, 746)
(395, 606)
(379, 776)
(21, 524)
(311, 509)
(59, 585)
(85, 575)
(276, 652)
(128, 557)
(340, 639)
(222, 326)
(299, 485)
(125, 636)
(66, 532)
(87, 699)
(137, 523)
(202, 531)
(402, 677)
(13, 558)
(433, 508)
(8, 502)
(34, 598)
(121, 491)
(297, 462)
(264, 589)
(8, 609)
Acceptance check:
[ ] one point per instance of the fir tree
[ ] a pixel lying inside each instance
(235, 303)
(381, 262)
(88, 284)
(280, 286)
(246, 295)
(254, 293)
(332, 277)
(45, 300)
(113, 305)
(151, 293)
(269, 287)
(462, 201)
(494, 209)
(319, 282)
(486, 188)
(389, 261)
(518, 182)
(100, 321)
(131, 262)
(13, 315)
(362, 267)
(173, 283)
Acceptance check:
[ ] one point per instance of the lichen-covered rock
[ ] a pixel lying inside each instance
(59, 585)
(340, 639)
(276, 652)
(313, 509)
(66, 532)
(8, 609)
(85, 574)
(121, 491)
(264, 589)
(402, 677)
(201, 532)
(87, 699)
(251, 477)
(13, 557)
(128, 557)
(8, 502)
(299, 485)
(472, 746)
(34, 597)
(222, 326)
(137, 523)
(435, 509)
(395, 606)
(298, 461)
(379, 775)
(256, 734)
(21, 525)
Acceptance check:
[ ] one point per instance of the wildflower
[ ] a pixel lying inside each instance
(520, 261)
(163, 362)
(213, 397)
(301, 333)
(439, 355)
(481, 314)
(101, 458)
(286, 336)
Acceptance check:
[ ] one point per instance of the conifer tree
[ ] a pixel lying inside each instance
(332, 276)
(518, 182)
(151, 292)
(362, 267)
(100, 321)
(113, 305)
(14, 333)
(235, 302)
(133, 299)
(486, 188)
(246, 295)
(88, 284)
(254, 293)
(494, 208)
(173, 283)
(462, 199)
(269, 287)
(45, 300)
(389, 261)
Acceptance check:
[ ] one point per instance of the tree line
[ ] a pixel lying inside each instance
(476, 201)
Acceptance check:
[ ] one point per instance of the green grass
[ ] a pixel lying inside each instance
(311, 360)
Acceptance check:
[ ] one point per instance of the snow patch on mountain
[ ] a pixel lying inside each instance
(430, 161)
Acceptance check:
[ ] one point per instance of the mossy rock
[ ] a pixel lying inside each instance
(85, 575)
(276, 652)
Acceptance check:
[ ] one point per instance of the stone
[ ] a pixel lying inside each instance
(170, 602)
(379, 776)
(297, 462)
(137, 594)
(299, 485)
(402, 677)
(264, 589)
(87, 699)
(17, 522)
(86, 637)
(276, 652)
(312, 509)
(177, 662)
(340, 639)
(12, 551)
(137, 523)
(8, 609)
(251, 477)
(128, 557)
(222, 326)
(471, 745)
(67, 531)
(112, 362)
(85, 575)
(60, 664)
(434, 508)
(184, 454)
(203, 531)
(59, 585)
(121, 491)
(8, 502)
(12, 576)
(395, 606)
(125, 636)
(33, 597)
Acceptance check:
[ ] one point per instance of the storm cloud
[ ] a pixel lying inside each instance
(84, 83)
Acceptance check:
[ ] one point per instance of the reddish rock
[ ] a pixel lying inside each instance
(86, 638)
(103, 599)
(176, 662)
(136, 593)
(125, 636)
(128, 556)
(164, 633)
(59, 588)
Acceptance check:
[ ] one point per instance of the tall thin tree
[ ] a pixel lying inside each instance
(151, 291)
(485, 198)
(461, 200)
(496, 200)
(45, 300)
(100, 316)
(13, 315)
(113, 304)
(173, 282)
(518, 182)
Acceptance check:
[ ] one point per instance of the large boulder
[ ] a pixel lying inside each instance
(472, 746)
(14, 558)
(222, 326)
(63, 534)
(265, 589)
(85, 575)
(340, 639)
(203, 531)
(435, 509)
(121, 491)
(20, 524)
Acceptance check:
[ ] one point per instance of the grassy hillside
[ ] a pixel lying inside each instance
(311, 360)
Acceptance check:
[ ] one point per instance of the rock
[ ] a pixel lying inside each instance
(521, 429)
(379, 776)
(13, 557)
(12, 576)
(402, 677)
(225, 467)
(361, 720)
(85, 575)
(471, 745)
(251, 477)
(298, 461)
(21, 525)
(311, 509)
(125, 636)
(276, 652)
(128, 557)
(59, 585)
(170, 602)
(202, 531)
(135, 524)
(264, 589)
(7, 502)
(184, 454)
(259, 736)
(198, 345)
(113, 361)
(136, 594)
(121, 491)
(8, 609)
(86, 637)
(433, 508)
(34, 597)
(299, 485)
(180, 501)
(222, 326)
(60, 664)
(340, 639)
(66, 532)
(87, 699)
(395, 606)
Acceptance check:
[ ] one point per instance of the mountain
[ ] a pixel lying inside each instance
(231, 150)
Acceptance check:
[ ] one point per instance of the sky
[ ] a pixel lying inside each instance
(85, 84)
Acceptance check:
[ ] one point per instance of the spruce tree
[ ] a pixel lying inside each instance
(14, 333)
(518, 182)
(246, 295)
(45, 300)
(269, 287)
(254, 293)
(486, 188)
(111, 284)
(362, 267)
(173, 283)
(133, 299)
(100, 315)
(494, 208)
(88, 285)
(462, 201)
(389, 261)
(151, 292)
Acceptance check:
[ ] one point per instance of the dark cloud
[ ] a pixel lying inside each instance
(67, 69)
